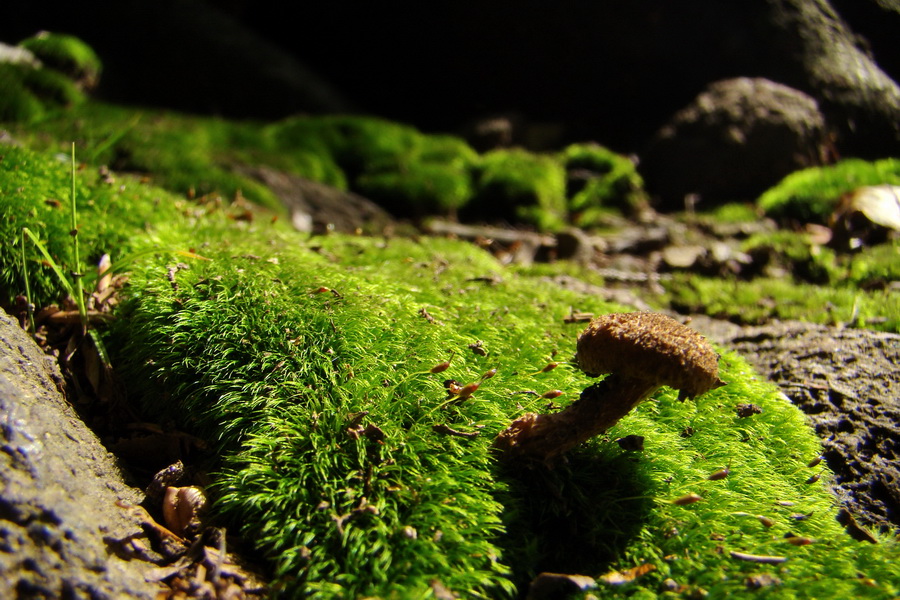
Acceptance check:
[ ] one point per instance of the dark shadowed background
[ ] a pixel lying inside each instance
(603, 70)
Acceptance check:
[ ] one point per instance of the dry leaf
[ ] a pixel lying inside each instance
(628, 575)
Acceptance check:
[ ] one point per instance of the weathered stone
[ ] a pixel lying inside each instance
(735, 140)
(58, 489)
(318, 208)
(829, 60)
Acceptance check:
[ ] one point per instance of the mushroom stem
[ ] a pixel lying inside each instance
(543, 437)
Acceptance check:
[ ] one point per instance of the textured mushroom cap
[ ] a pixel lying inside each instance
(651, 347)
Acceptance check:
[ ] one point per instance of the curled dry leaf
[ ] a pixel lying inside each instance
(181, 508)
(758, 558)
(687, 499)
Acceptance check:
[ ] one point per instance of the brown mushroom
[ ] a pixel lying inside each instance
(641, 351)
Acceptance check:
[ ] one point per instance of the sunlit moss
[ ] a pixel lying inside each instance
(273, 348)
(66, 54)
(605, 181)
(811, 195)
(515, 183)
(764, 298)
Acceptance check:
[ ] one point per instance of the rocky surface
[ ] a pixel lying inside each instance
(318, 208)
(860, 100)
(59, 520)
(848, 382)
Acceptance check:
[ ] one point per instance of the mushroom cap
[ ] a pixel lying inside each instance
(652, 347)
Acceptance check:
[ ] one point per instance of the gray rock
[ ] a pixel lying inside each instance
(318, 208)
(58, 489)
(735, 140)
(859, 99)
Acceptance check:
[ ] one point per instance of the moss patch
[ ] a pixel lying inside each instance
(62, 67)
(307, 364)
(599, 181)
(795, 278)
(811, 195)
(114, 213)
(529, 187)
(765, 298)
(66, 54)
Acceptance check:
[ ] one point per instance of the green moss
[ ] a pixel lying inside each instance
(421, 189)
(27, 93)
(431, 178)
(515, 185)
(732, 212)
(765, 298)
(186, 155)
(793, 278)
(67, 55)
(795, 253)
(358, 144)
(254, 358)
(811, 195)
(876, 266)
(246, 351)
(405, 171)
(17, 103)
(606, 181)
(34, 193)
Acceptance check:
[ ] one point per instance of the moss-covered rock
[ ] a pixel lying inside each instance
(17, 103)
(68, 55)
(27, 93)
(795, 254)
(599, 180)
(811, 195)
(407, 172)
(61, 69)
(515, 184)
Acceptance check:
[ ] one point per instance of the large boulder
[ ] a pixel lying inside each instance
(735, 140)
(826, 58)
